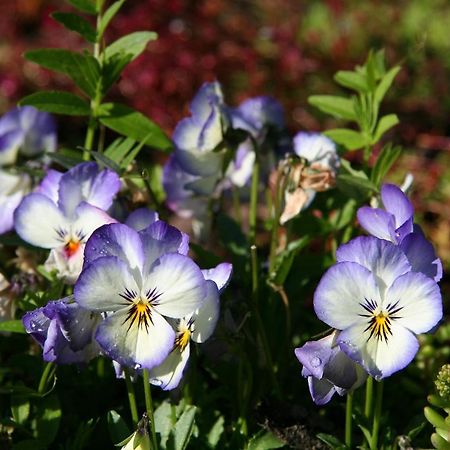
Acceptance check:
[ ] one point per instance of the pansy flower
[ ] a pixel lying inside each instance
(328, 369)
(27, 130)
(64, 331)
(379, 304)
(139, 280)
(64, 212)
(197, 327)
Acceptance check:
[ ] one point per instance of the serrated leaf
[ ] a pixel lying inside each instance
(57, 102)
(122, 52)
(352, 80)
(108, 16)
(133, 124)
(76, 23)
(84, 70)
(12, 326)
(350, 139)
(386, 83)
(385, 160)
(86, 6)
(264, 440)
(385, 123)
(339, 107)
(117, 427)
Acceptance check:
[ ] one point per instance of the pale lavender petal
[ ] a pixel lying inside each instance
(342, 289)
(39, 221)
(220, 274)
(377, 222)
(397, 203)
(115, 240)
(8, 204)
(135, 346)
(418, 301)
(141, 218)
(49, 186)
(384, 259)
(321, 390)
(10, 143)
(199, 163)
(317, 148)
(179, 283)
(88, 218)
(205, 318)
(209, 94)
(262, 111)
(421, 255)
(101, 284)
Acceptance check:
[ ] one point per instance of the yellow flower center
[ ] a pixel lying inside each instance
(182, 339)
(71, 247)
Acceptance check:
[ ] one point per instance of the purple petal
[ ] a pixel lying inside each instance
(115, 240)
(220, 274)
(141, 218)
(396, 203)
(421, 255)
(49, 186)
(377, 222)
(10, 143)
(321, 390)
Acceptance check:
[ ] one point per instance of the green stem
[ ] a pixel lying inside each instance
(254, 201)
(149, 407)
(236, 205)
(48, 369)
(131, 398)
(369, 398)
(279, 191)
(377, 416)
(348, 420)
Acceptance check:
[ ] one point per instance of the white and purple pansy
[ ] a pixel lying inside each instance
(139, 280)
(64, 330)
(197, 327)
(28, 131)
(328, 369)
(63, 213)
(379, 304)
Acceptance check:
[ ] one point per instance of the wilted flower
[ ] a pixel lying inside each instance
(315, 171)
(12, 189)
(27, 130)
(64, 212)
(139, 440)
(328, 369)
(197, 326)
(379, 303)
(64, 330)
(138, 279)
(7, 297)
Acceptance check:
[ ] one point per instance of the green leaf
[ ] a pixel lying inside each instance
(20, 408)
(163, 421)
(57, 102)
(66, 159)
(84, 70)
(355, 187)
(264, 440)
(350, 139)
(386, 83)
(385, 160)
(344, 216)
(30, 444)
(12, 326)
(434, 417)
(117, 427)
(385, 123)
(74, 22)
(105, 161)
(48, 418)
(86, 6)
(439, 442)
(183, 428)
(339, 107)
(122, 52)
(231, 235)
(332, 441)
(352, 80)
(216, 432)
(108, 16)
(133, 124)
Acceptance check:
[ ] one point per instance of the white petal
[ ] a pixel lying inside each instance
(168, 375)
(205, 318)
(89, 218)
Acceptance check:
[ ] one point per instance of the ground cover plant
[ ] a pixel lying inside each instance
(233, 286)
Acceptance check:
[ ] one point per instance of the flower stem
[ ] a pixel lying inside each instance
(348, 420)
(377, 416)
(48, 369)
(131, 398)
(149, 407)
(369, 398)
(254, 201)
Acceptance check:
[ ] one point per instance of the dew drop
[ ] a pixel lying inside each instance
(316, 361)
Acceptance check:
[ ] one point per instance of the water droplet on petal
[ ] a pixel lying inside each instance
(316, 361)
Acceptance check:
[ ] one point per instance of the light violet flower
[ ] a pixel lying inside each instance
(27, 130)
(13, 187)
(379, 303)
(139, 279)
(64, 330)
(141, 218)
(395, 223)
(197, 327)
(64, 212)
(328, 369)
(197, 138)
